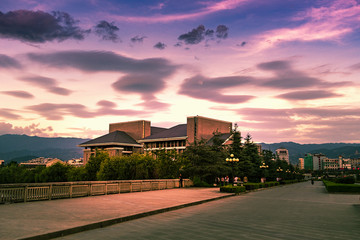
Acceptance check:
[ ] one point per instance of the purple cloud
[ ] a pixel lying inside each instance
(8, 62)
(19, 94)
(8, 114)
(137, 39)
(308, 95)
(46, 83)
(160, 45)
(211, 88)
(53, 111)
(24, 26)
(308, 124)
(107, 31)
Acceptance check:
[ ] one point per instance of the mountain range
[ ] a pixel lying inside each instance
(21, 148)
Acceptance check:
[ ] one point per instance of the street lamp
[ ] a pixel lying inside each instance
(232, 159)
(264, 167)
(279, 170)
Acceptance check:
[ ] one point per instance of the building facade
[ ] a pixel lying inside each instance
(126, 138)
(283, 154)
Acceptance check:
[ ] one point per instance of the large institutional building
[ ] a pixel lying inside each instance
(125, 138)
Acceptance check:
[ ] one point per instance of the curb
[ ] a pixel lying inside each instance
(113, 221)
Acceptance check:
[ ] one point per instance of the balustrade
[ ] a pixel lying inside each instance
(46, 191)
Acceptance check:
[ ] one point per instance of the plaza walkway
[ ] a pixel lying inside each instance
(298, 211)
(46, 219)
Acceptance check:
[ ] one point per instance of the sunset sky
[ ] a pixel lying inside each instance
(283, 70)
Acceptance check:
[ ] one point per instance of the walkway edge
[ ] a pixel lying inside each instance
(113, 221)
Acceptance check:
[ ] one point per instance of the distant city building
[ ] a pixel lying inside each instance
(41, 161)
(76, 162)
(301, 163)
(283, 154)
(318, 160)
(308, 162)
(126, 138)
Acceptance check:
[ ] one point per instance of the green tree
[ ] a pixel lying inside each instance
(94, 163)
(55, 173)
(77, 174)
(168, 164)
(204, 162)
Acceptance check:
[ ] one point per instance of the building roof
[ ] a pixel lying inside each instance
(178, 131)
(223, 137)
(119, 138)
(156, 130)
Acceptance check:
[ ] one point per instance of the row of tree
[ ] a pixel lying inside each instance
(200, 161)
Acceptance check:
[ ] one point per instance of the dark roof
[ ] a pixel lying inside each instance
(223, 137)
(174, 132)
(155, 130)
(113, 138)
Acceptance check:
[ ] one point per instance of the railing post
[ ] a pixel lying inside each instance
(130, 186)
(25, 193)
(71, 190)
(50, 192)
(106, 188)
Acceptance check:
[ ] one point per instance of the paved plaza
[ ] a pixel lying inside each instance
(24, 220)
(297, 211)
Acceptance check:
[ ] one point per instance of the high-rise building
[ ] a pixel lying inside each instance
(283, 154)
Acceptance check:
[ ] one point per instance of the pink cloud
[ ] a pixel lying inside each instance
(210, 8)
(31, 130)
(329, 23)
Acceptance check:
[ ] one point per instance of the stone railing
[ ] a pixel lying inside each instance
(47, 191)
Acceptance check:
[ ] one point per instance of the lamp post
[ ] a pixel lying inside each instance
(279, 170)
(231, 160)
(264, 167)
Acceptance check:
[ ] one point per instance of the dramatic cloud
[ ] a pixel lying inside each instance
(145, 77)
(194, 37)
(309, 95)
(52, 111)
(137, 39)
(46, 83)
(31, 130)
(160, 45)
(222, 31)
(107, 31)
(197, 35)
(210, 7)
(8, 62)
(288, 78)
(106, 104)
(39, 26)
(329, 22)
(211, 88)
(308, 124)
(19, 94)
(8, 114)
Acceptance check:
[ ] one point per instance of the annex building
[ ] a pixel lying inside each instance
(126, 138)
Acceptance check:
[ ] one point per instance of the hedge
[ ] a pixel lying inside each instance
(232, 189)
(332, 187)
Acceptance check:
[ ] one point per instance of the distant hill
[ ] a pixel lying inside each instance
(21, 147)
(331, 150)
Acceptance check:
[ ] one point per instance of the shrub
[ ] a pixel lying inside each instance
(233, 189)
(345, 180)
(333, 187)
(197, 182)
(252, 186)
